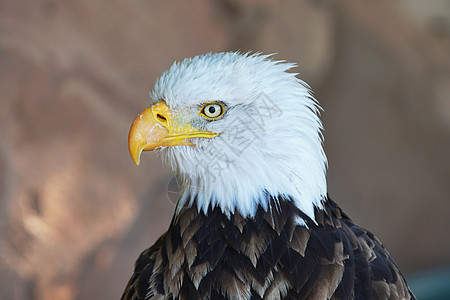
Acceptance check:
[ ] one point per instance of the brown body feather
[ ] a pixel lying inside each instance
(269, 256)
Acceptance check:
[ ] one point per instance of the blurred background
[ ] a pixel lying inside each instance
(75, 212)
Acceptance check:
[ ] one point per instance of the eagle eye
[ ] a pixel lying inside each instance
(212, 111)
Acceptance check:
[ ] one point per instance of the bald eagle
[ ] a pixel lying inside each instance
(253, 219)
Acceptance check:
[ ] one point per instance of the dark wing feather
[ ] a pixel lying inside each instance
(374, 273)
(138, 285)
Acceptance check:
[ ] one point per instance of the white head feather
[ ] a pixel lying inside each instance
(270, 139)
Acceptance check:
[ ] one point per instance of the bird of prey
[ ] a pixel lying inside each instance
(253, 219)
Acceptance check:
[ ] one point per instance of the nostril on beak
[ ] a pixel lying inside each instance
(161, 118)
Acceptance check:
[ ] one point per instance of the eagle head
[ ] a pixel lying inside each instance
(236, 128)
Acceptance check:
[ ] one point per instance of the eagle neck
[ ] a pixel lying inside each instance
(268, 206)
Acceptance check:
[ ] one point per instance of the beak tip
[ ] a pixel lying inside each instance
(136, 157)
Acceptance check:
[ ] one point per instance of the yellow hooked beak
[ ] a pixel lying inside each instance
(154, 128)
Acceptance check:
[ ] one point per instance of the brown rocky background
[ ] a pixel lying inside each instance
(75, 212)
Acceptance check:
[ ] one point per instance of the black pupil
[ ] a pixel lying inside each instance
(212, 109)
